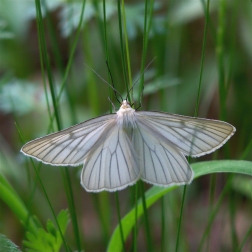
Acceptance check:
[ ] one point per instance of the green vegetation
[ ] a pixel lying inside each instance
(53, 58)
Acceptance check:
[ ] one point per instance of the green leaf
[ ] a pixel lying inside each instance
(154, 193)
(63, 220)
(7, 245)
(48, 240)
(51, 228)
(12, 199)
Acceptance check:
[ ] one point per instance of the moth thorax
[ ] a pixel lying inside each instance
(126, 118)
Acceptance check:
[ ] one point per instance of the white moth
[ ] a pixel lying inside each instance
(118, 149)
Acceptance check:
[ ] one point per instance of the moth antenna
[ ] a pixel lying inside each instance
(115, 91)
(140, 76)
(140, 105)
(112, 104)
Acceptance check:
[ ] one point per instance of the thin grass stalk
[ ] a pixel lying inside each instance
(103, 34)
(102, 220)
(66, 176)
(122, 46)
(223, 94)
(180, 218)
(211, 203)
(70, 18)
(147, 26)
(51, 28)
(247, 235)
(128, 81)
(92, 92)
(210, 23)
(247, 150)
(50, 205)
(129, 84)
(100, 23)
(70, 88)
(68, 189)
(119, 218)
(105, 30)
(46, 195)
(105, 198)
(215, 211)
(135, 231)
(162, 225)
(72, 51)
(206, 25)
(106, 49)
(101, 199)
(44, 79)
(51, 116)
(232, 211)
(32, 187)
(58, 60)
(143, 61)
(41, 36)
(220, 53)
(27, 168)
(111, 109)
(71, 204)
(105, 215)
(58, 98)
(163, 206)
(220, 57)
(232, 44)
(146, 220)
(196, 109)
(144, 52)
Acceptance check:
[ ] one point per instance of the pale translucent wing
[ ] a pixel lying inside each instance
(112, 164)
(193, 136)
(69, 146)
(160, 164)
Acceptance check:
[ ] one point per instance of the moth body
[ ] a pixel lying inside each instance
(118, 149)
(126, 116)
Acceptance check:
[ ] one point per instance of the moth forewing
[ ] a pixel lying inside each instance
(193, 136)
(68, 146)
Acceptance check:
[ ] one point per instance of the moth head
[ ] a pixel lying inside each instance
(125, 104)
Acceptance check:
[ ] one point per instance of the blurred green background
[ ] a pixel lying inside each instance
(175, 39)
